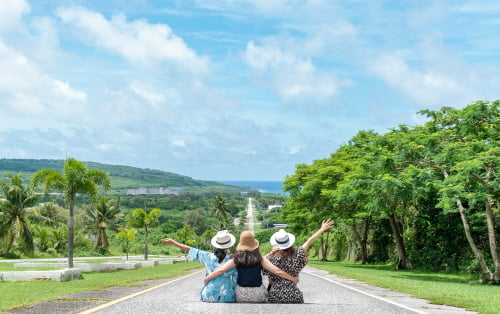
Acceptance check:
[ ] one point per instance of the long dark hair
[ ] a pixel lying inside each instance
(286, 253)
(220, 254)
(247, 258)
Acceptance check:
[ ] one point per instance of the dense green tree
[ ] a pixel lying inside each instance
(139, 218)
(187, 236)
(16, 207)
(74, 179)
(460, 148)
(197, 219)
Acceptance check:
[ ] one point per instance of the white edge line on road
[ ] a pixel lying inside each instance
(366, 293)
(103, 306)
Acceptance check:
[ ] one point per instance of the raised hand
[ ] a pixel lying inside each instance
(167, 241)
(327, 224)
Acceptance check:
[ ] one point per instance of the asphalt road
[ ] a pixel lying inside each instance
(323, 293)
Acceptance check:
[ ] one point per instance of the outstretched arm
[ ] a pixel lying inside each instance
(278, 271)
(327, 224)
(219, 271)
(177, 244)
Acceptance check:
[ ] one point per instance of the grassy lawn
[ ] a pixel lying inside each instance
(440, 288)
(23, 293)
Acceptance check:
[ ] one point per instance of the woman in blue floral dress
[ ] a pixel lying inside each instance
(220, 289)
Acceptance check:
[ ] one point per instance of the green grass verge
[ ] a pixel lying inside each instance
(10, 267)
(440, 288)
(24, 293)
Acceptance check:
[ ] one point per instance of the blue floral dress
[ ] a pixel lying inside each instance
(221, 288)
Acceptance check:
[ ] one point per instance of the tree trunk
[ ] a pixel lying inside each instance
(487, 275)
(146, 243)
(403, 262)
(71, 230)
(126, 248)
(324, 247)
(364, 241)
(8, 245)
(493, 243)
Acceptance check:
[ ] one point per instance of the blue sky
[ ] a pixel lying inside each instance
(227, 89)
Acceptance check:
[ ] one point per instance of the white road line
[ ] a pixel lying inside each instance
(103, 306)
(366, 293)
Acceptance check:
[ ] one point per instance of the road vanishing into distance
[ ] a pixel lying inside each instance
(323, 293)
(249, 221)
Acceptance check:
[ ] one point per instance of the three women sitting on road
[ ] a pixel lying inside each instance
(222, 288)
(240, 278)
(250, 264)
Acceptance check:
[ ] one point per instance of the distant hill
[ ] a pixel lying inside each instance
(123, 177)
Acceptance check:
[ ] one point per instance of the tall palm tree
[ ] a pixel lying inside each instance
(140, 219)
(220, 210)
(16, 201)
(75, 178)
(103, 215)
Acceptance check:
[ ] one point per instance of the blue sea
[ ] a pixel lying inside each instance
(273, 187)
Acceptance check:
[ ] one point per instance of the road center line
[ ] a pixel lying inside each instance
(366, 293)
(103, 306)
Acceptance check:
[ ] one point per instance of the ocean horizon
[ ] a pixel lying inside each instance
(273, 187)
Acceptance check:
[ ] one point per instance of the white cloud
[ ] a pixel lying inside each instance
(11, 12)
(139, 42)
(289, 75)
(153, 98)
(63, 89)
(433, 76)
(27, 90)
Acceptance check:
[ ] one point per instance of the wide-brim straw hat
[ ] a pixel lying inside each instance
(282, 239)
(223, 240)
(247, 242)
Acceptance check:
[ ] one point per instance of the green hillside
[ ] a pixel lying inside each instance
(123, 177)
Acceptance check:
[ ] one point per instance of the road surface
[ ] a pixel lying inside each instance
(249, 221)
(322, 294)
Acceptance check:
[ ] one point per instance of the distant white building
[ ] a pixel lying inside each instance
(160, 191)
(270, 207)
(280, 226)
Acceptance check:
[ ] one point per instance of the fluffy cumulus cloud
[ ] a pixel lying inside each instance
(11, 12)
(431, 76)
(289, 75)
(27, 90)
(138, 41)
(226, 89)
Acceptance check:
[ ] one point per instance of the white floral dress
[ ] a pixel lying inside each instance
(221, 288)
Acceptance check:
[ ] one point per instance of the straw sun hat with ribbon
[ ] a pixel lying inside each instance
(223, 240)
(282, 239)
(247, 242)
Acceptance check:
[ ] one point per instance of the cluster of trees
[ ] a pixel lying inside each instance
(81, 217)
(422, 192)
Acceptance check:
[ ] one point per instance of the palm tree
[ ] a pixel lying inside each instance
(220, 210)
(102, 215)
(16, 201)
(127, 236)
(75, 178)
(140, 219)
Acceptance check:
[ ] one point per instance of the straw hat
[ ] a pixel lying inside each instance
(282, 239)
(247, 242)
(223, 240)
